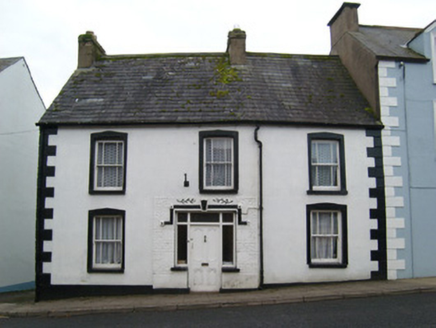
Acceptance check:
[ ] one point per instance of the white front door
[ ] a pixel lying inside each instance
(204, 268)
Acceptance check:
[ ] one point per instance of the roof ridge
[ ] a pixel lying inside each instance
(392, 27)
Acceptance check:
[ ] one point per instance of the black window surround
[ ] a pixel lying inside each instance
(218, 134)
(104, 212)
(342, 188)
(343, 235)
(106, 136)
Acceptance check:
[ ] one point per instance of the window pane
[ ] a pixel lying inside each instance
(323, 176)
(218, 162)
(108, 239)
(219, 150)
(228, 256)
(314, 223)
(208, 144)
(110, 153)
(228, 217)
(218, 175)
(109, 167)
(100, 177)
(182, 217)
(324, 155)
(100, 153)
(325, 163)
(324, 240)
(120, 153)
(325, 223)
(205, 217)
(182, 244)
(335, 223)
(110, 176)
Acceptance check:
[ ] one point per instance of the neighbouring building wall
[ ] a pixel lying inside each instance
(359, 60)
(407, 97)
(20, 108)
(420, 97)
(396, 169)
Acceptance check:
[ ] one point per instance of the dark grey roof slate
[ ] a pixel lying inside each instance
(204, 88)
(6, 62)
(388, 42)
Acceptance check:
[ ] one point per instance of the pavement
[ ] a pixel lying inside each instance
(21, 304)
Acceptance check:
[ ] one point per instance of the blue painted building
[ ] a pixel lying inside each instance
(395, 68)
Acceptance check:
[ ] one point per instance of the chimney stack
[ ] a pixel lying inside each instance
(89, 50)
(345, 20)
(236, 46)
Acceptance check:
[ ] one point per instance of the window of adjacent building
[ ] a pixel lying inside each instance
(106, 241)
(218, 161)
(108, 162)
(326, 163)
(326, 227)
(226, 221)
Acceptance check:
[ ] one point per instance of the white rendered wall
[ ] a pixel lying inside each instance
(286, 181)
(20, 108)
(158, 158)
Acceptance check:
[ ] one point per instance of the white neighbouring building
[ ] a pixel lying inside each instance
(207, 172)
(20, 108)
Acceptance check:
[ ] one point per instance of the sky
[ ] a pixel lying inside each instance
(45, 32)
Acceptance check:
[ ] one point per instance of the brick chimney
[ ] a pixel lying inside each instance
(89, 50)
(236, 47)
(345, 20)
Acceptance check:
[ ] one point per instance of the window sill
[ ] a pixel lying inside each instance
(107, 192)
(218, 191)
(99, 270)
(179, 269)
(327, 192)
(327, 265)
(226, 269)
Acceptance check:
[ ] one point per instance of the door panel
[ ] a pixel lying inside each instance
(205, 258)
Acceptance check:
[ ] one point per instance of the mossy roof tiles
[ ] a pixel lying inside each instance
(204, 88)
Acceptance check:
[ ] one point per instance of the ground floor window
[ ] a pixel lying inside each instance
(327, 235)
(106, 240)
(226, 222)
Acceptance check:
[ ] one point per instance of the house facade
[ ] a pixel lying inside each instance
(395, 69)
(207, 172)
(20, 107)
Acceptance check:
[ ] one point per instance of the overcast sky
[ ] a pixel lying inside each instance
(45, 31)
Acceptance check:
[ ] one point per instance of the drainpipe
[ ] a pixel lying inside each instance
(260, 204)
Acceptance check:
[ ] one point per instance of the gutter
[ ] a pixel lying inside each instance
(261, 272)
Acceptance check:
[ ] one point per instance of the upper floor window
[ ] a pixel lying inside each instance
(218, 161)
(326, 163)
(108, 159)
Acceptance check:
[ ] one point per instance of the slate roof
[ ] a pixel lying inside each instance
(204, 88)
(389, 42)
(6, 62)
